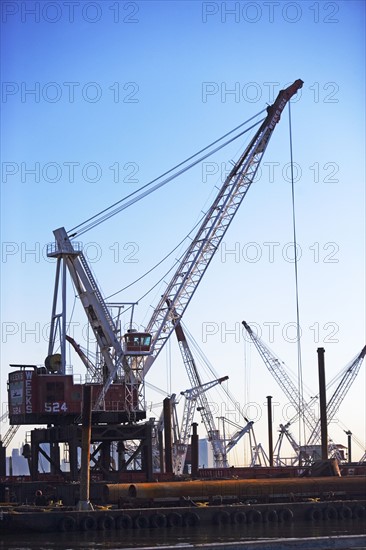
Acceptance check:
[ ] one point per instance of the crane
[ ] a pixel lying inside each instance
(284, 431)
(339, 394)
(10, 432)
(221, 446)
(240, 431)
(277, 369)
(192, 395)
(350, 373)
(91, 368)
(126, 360)
(220, 458)
(238, 434)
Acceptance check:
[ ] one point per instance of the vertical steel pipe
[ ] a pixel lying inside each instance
(55, 457)
(270, 432)
(2, 460)
(323, 404)
(167, 410)
(84, 503)
(349, 435)
(194, 450)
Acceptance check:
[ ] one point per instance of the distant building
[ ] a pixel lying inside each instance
(16, 464)
(205, 452)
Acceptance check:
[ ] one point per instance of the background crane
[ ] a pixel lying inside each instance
(339, 394)
(192, 396)
(304, 410)
(213, 434)
(276, 368)
(10, 432)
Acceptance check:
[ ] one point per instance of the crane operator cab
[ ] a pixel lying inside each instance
(137, 343)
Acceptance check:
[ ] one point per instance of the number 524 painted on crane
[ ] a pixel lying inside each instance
(55, 407)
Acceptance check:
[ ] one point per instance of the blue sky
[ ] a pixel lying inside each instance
(139, 86)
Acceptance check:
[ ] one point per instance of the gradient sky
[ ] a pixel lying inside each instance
(100, 97)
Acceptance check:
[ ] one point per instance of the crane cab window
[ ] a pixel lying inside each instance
(137, 342)
(55, 391)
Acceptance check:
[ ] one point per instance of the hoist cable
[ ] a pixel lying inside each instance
(299, 359)
(112, 213)
(159, 263)
(107, 213)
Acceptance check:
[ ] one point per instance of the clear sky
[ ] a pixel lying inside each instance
(100, 97)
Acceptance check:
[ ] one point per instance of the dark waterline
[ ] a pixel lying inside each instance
(174, 537)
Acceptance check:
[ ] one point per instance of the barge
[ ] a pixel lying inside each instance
(64, 519)
(197, 503)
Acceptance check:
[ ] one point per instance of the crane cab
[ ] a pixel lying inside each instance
(137, 343)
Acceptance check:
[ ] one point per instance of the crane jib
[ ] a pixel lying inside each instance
(276, 117)
(287, 95)
(132, 368)
(208, 237)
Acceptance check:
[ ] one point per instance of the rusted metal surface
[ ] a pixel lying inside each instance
(242, 488)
